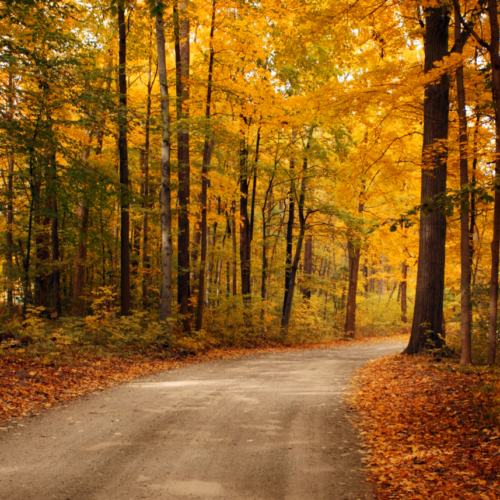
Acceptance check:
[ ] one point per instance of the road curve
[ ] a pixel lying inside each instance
(263, 427)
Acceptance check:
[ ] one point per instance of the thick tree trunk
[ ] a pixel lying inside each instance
(428, 313)
(165, 191)
(182, 48)
(123, 151)
(354, 256)
(207, 153)
(465, 279)
(495, 243)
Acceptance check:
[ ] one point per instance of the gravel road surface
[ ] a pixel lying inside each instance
(263, 427)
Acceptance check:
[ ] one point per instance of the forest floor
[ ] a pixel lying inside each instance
(31, 383)
(431, 426)
(262, 427)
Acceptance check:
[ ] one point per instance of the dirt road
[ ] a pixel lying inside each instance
(265, 427)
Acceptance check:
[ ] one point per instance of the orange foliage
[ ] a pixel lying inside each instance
(428, 429)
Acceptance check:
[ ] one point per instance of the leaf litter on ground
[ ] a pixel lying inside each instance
(431, 427)
(30, 385)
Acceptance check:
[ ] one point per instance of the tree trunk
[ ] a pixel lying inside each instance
(81, 252)
(495, 243)
(404, 286)
(55, 278)
(254, 185)
(308, 268)
(245, 262)
(354, 256)
(165, 191)
(123, 151)
(10, 207)
(285, 322)
(289, 234)
(207, 153)
(264, 256)
(181, 35)
(9, 236)
(428, 315)
(233, 230)
(465, 279)
(145, 193)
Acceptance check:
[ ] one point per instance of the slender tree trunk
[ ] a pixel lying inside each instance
(264, 255)
(365, 275)
(233, 230)
(165, 191)
(308, 268)
(55, 278)
(228, 266)
(404, 306)
(77, 308)
(285, 322)
(465, 280)
(181, 35)
(289, 234)
(9, 236)
(145, 193)
(428, 314)
(123, 151)
(207, 153)
(10, 207)
(495, 243)
(245, 236)
(254, 185)
(354, 257)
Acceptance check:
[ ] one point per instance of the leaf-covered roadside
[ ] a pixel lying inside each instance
(431, 429)
(30, 385)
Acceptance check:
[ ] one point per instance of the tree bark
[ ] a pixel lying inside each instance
(207, 153)
(77, 308)
(182, 48)
(289, 234)
(308, 268)
(9, 236)
(55, 277)
(495, 243)
(354, 253)
(145, 193)
(124, 178)
(254, 185)
(285, 322)
(428, 314)
(266, 217)
(465, 256)
(404, 286)
(165, 190)
(245, 236)
(233, 230)
(10, 207)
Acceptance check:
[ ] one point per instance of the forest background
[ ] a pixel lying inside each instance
(222, 172)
